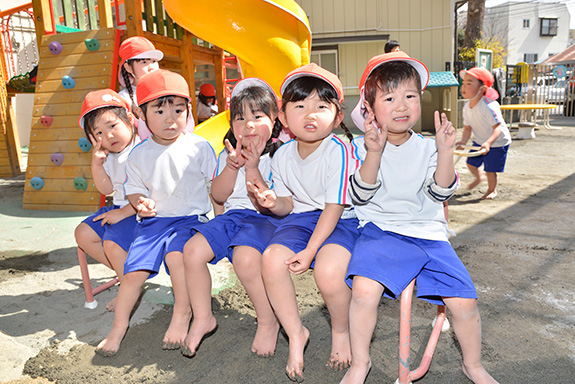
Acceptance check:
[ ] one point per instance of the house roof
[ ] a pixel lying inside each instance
(442, 79)
(567, 56)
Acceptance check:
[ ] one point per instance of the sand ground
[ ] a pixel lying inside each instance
(519, 249)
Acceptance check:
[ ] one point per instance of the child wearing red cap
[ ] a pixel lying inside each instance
(107, 234)
(206, 102)
(138, 56)
(482, 116)
(399, 191)
(241, 234)
(310, 176)
(167, 181)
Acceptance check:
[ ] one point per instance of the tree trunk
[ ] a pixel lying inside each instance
(475, 14)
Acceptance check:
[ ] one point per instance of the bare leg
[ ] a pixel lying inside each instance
(197, 253)
(365, 298)
(91, 243)
(182, 314)
(128, 295)
(329, 273)
(117, 257)
(477, 174)
(491, 186)
(467, 327)
(247, 264)
(281, 293)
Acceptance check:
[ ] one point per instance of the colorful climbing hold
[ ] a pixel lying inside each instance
(84, 144)
(92, 44)
(55, 48)
(37, 183)
(46, 120)
(80, 184)
(57, 158)
(68, 82)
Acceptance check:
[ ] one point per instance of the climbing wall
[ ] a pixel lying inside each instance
(58, 176)
(10, 159)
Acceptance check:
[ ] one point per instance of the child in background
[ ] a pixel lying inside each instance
(167, 179)
(107, 234)
(138, 57)
(399, 191)
(392, 46)
(310, 176)
(241, 234)
(482, 116)
(206, 102)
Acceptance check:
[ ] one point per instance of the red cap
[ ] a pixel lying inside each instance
(485, 77)
(376, 61)
(161, 83)
(137, 47)
(314, 70)
(208, 90)
(99, 99)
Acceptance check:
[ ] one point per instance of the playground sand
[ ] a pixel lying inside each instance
(519, 249)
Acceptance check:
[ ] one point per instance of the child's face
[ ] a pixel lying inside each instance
(470, 87)
(398, 109)
(140, 67)
(312, 119)
(112, 131)
(253, 127)
(167, 122)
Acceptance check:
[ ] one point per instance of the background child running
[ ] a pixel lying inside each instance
(107, 234)
(167, 179)
(310, 181)
(241, 234)
(399, 191)
(482, 116)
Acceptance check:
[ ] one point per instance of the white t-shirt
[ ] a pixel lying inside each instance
(239, 198)
(206, 110)
(400, 205)
(312, 182)
(175, 176)
(482, 118)
(115, 167)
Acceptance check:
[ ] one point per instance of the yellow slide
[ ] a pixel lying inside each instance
(270, 39)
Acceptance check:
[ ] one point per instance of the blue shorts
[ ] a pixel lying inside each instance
(296, 229)
(155, 238)
(121, 233)
(493, 161)
(394, 260)
(238, 227)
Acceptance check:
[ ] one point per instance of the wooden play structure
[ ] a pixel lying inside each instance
(78, 53)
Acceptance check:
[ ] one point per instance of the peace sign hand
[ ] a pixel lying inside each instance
(235, 159)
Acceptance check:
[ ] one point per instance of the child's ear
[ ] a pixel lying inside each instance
(128, 68)
(338, 118)
(368, 107)
(282, 118)
(139, 113)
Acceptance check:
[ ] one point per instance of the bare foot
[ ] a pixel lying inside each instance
(264, 344)
(199, 331)
(111, 344)
(177, 331)
(297, 345)
(357, 373)
(340, 357)
(489, 195)
(111, 306)
(479, 375)
(476, 182)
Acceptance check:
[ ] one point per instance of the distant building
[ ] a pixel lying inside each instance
(530, 31)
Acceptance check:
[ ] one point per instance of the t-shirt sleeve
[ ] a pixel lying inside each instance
(208, 161)
(279, 186)
(222, 162)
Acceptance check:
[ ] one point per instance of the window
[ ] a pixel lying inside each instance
(548, 27)
(529, 58)
(526, 23)
(326, 58)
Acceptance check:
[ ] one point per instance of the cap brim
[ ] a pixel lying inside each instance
(309, 74)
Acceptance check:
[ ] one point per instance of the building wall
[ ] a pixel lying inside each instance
(521, 40)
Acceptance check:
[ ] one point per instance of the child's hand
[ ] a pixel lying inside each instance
(460, 144)
(253, 153)
(99, 155)
(375, 137)
(146, 207)
(445, 133)
(265, 196)
(300, 262)
(487, 147)
(111, 217)
(235, 159)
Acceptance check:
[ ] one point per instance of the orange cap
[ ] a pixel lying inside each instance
(485, 77)
(161, 83)
(208, 90)
(314, 70)
(137, 47)
(376, 61)
(99, 99)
